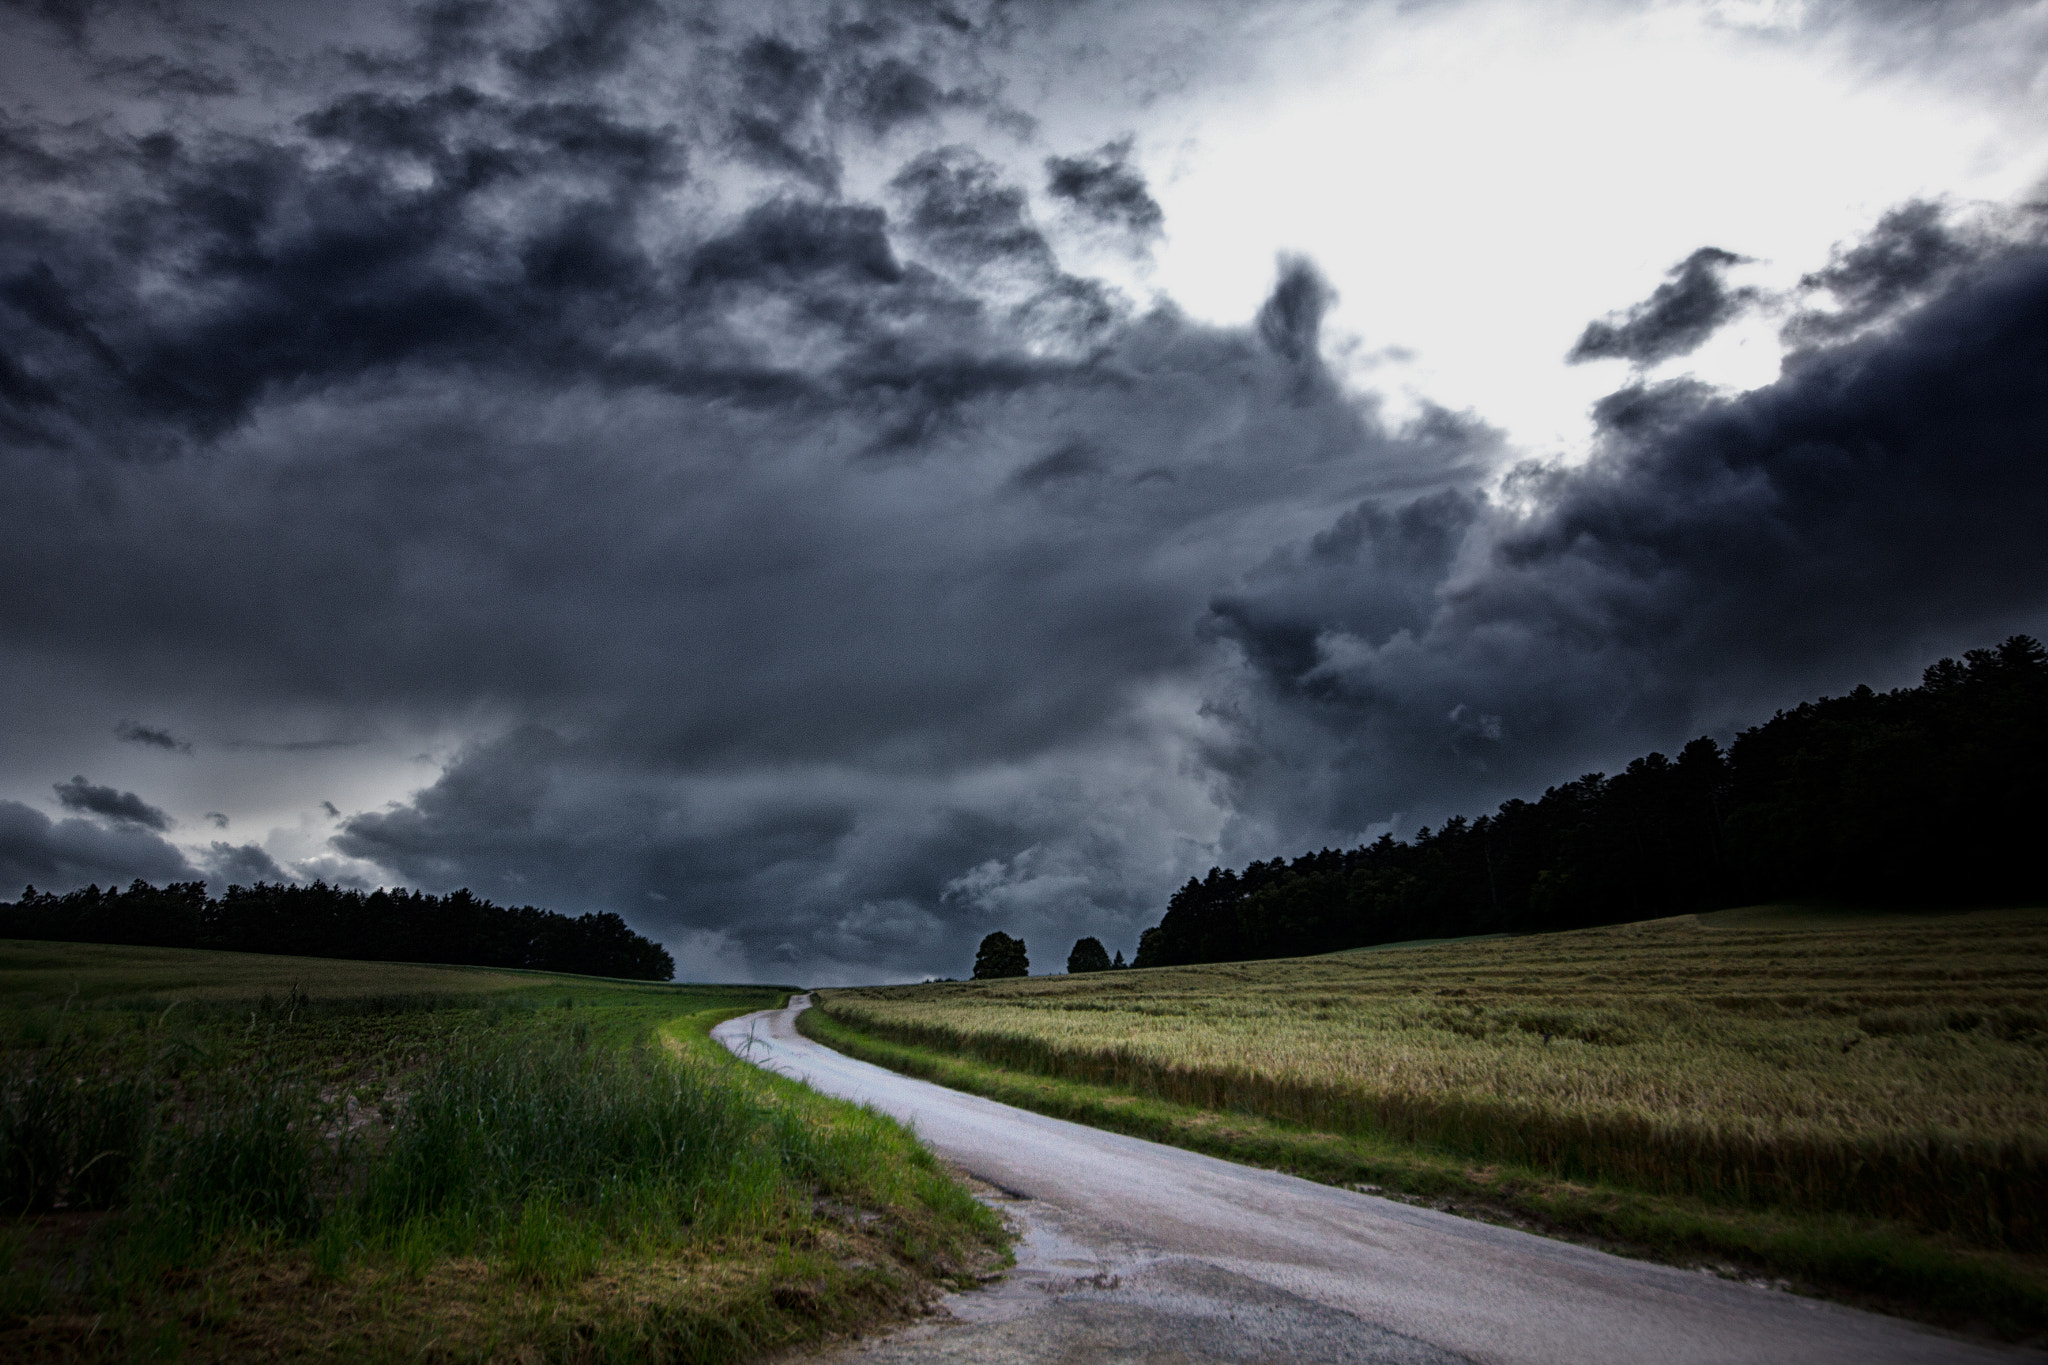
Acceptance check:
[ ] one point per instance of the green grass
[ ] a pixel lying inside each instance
(389, 1163)
(35, 973)
(1850, 1103)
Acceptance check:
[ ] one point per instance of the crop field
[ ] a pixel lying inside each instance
(224, 1156)
(1892, 1070)
(35, 974)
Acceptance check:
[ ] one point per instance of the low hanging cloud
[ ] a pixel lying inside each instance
(822, 577)
(60, 855)
(150, 736)
(124, 808)
(228, 865)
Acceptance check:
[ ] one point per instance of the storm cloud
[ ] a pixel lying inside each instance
(151, 736)
(240, 865)
(123, 808)
(1106, 189)
(1691, 305)
(64, 854)
(1715, 554)
(1916, 249)
(694, 420)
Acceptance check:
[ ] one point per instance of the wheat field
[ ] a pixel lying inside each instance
(1889, 1066)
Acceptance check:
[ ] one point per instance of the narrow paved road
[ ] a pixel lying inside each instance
(1138, 1252)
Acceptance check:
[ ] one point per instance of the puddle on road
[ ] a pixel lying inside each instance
(1051, 1259)
(1078, 1296)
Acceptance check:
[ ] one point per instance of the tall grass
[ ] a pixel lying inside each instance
(251, 1158)
(1890, 1072)
(71, 1135)
(629, 1136)
(306, 1159)
(628, 1189)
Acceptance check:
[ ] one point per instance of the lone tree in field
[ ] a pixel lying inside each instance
(1088, 956)
(1001, 955)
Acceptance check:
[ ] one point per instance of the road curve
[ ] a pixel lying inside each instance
(1132, 1247)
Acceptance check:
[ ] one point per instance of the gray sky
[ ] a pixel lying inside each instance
(830, 481)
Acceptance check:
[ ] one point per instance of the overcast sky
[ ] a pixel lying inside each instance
(827, 481)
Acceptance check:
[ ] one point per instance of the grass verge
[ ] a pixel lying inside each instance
(1867, 1262)
(550, 1169)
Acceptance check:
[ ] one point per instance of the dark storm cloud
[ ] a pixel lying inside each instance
(450, 31)
(26, 158)
(159, 76)
(890, 93)
(1882, 481)
(1916, 249)
(782, 89)
(1074, 460)
(1291, 320)
(822, 582)
(240, 865)
(584, 39)
(959, 208)
(121, 807)
(150, 736)
(292, 746)
(863, 866)
(1879, 503)
(1374, 574)
(1680, 314)
(68, 17)
(785, 241)
(471, 429)
(534, 785)
(1104, 187)
(63, 854)
(837, 877)
(301, 268)
(312, 275)
(1427, 652)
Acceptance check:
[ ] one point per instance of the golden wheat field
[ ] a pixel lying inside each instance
(1893, 1066)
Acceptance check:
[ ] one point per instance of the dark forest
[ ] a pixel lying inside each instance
(1923, 796)
(327, 921)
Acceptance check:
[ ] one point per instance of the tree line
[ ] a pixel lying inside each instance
(326, 921)
(1930, 795)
